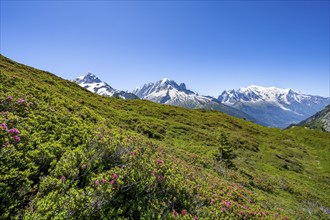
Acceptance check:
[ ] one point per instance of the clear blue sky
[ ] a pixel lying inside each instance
(209, 45)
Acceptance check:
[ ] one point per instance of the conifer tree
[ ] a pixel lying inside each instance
(225, 152)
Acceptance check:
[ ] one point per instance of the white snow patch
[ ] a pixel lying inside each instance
(164, 81)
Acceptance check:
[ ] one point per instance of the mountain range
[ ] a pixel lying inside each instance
(167, 91)
(268, 106)
(274, 106)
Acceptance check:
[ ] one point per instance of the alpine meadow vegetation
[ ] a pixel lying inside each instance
(67, 153)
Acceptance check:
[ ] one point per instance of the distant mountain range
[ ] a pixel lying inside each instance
(275, 107)
(169, 92)
(95, 85)
(270, 106)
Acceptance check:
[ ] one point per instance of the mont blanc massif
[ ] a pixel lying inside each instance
(268, 106)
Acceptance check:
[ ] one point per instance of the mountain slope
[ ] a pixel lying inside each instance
(77, 155)
(169, 92)
(95, 85)
(276, 107)
(320, 120)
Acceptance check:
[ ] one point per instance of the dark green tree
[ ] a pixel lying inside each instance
(225, 152)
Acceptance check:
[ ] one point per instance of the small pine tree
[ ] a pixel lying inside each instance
(225, 152)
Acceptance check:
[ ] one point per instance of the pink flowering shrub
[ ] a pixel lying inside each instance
(109, 174)
(8, 133)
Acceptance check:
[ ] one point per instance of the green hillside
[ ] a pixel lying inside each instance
(319, 121)
(67, 153)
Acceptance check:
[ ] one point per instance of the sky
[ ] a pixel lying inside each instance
(209, 45)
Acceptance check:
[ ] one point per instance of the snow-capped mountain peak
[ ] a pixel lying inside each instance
(163, 91)
(95, 85)
(165, 80)
(278, 106)
(255, 93)
(169, 92)
(88, 78)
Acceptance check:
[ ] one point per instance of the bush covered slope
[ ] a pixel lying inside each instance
(319, 121)
(70, 154)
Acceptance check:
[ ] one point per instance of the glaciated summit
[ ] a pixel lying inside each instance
(275, 106)
(95, 85)
(169, 92)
